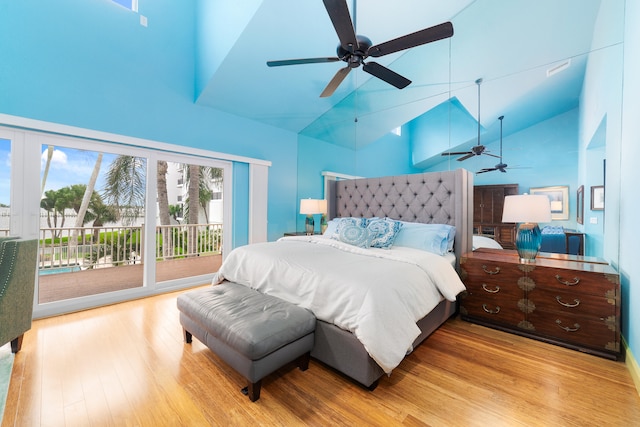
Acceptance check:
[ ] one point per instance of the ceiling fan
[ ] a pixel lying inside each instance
(478, 149)
(355, 49)
(502, 167)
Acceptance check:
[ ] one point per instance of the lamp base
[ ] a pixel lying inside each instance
(323, 223)
(528, 241)
(309, 225)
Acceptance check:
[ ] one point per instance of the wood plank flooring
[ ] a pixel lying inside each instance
(126, 365)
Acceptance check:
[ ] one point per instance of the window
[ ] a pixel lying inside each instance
(129, 4)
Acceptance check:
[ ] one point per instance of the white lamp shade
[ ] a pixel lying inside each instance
(526, 208)
(322, 205)
(312, 206)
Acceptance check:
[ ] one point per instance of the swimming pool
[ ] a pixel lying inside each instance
(49, 270)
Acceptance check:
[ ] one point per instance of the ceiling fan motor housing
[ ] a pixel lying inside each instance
(354, 59)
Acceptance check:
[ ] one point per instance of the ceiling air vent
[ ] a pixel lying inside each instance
(558, 68)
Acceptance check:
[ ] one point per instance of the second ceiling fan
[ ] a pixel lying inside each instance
(478, 149)
(355, 49)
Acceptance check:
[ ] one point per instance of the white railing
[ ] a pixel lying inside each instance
(85, 248)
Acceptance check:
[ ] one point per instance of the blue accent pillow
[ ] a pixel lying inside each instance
(346, 222)
(435, 238)
(355, 235)
(384, 232)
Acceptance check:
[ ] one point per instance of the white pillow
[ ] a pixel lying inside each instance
(485, 242)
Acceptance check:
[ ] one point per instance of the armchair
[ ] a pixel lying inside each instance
(18, 266)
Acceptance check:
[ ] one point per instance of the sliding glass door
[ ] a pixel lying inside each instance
(190, 219)
(92, 211)
(99, 211)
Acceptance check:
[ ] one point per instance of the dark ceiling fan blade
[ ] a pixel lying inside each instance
(457, 153)
(383, 73)
(428, 35)
(468, 156)
(339, 13)
(302, 61)
(492, 155)
(486, 170)
(335, 82)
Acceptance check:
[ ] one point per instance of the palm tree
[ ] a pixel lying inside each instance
(86, 199)
(125, 187)
(176, 212)
(163, 207)
(46, 167)
(55, 202)
(193, 203)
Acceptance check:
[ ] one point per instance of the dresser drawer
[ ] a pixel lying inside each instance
(501, 310)
(480, 271)
(573, 303)
(492, 288)
(583, 282)
(599, 334)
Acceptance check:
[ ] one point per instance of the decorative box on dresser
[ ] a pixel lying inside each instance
(568, 300)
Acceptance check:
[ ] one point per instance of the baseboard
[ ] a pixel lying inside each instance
(632, 366)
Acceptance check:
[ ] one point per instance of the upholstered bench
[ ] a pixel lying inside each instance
(254, 333)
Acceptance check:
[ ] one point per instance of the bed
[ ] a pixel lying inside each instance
(428, 198)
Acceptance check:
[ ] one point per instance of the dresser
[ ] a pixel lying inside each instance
(568, 300)
(488, 203)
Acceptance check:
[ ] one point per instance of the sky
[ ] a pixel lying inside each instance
(68, 166)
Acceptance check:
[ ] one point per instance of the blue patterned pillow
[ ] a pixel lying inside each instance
(384, 232)
(355, 235)
(346, 222)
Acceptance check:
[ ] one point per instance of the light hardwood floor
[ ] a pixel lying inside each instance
(126, 365)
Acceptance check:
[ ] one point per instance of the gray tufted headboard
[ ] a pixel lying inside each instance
(434, 197)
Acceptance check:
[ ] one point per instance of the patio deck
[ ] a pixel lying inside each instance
(60, 286)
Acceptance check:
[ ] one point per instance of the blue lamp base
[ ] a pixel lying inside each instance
(528, 241)
(309, 225)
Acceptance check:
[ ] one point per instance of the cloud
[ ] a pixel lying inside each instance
(58, 159)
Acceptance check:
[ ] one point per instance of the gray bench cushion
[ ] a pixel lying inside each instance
(252, 323)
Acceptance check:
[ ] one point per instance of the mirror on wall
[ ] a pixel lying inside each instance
(553, 71)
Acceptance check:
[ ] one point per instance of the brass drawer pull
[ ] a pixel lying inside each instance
(491, 291)
(576, 326)
(577, 302)
(496, 271)
(565, 282)
(496, 311)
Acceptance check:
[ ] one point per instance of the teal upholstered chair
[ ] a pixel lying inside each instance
(18, 266)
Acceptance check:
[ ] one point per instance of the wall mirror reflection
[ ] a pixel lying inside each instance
(557, 88)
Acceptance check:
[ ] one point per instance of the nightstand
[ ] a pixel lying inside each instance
(299, 233)
(567, 300)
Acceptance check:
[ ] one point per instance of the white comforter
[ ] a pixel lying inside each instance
(377, 294)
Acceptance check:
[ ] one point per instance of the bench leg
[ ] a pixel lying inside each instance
(253, 390)
(187, 336)
(303, 361)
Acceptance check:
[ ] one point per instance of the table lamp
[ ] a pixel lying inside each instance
(528, 211)
(310, 207)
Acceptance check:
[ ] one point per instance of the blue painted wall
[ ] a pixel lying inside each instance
(630, 176)
(92, 65)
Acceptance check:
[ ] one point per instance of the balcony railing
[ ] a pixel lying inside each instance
(84, 248)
